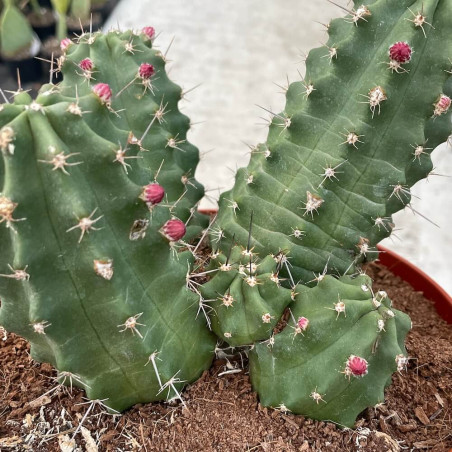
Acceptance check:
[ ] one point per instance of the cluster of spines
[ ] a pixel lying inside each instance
(245, 296)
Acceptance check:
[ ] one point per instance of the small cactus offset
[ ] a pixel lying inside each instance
(335, 356)
(100, 266)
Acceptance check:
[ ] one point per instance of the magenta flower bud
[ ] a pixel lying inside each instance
(357, 366)
(153, 193)
(174, 229)
(442, 105)
(64, 44)
(400, 52)
(103, 91)
(146, 71)
(303, 323)
(86, 65)
(149, 32)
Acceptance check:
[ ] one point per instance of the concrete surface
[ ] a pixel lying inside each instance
(237, 49)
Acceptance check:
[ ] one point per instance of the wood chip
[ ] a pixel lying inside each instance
(66, 443)
(394, 446)
(420, 414)
(40, 401)
(91, 445)
(15, 404)
(12, 441)
(289, 421)
(394, 418)
(425, 444)
(382, 423)
(440, 400)
(407, 427)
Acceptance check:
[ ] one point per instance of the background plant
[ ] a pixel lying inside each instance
(16, 34)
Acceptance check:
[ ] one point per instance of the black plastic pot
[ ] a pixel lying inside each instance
(96, 22)
(30, 69)
(106, 9)
(43, 31)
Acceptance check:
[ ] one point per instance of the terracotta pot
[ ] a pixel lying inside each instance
(419, 281)
(413, 276)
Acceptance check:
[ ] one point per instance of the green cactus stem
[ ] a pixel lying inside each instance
(246, 296)
(80, 9)
(356, 133)
(61, 8)
(337, 353)
(88, 272)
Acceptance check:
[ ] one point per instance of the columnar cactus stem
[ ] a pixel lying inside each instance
(340, 155)
(338, 365)
(356, 133)
(91, 282)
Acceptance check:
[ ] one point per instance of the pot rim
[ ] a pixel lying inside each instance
(413, 275)
(419, 280)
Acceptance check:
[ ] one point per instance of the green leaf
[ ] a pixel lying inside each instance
(16, 34)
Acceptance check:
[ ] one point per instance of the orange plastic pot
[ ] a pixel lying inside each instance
(419, 281)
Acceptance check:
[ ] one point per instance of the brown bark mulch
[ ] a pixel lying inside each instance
(223, 414)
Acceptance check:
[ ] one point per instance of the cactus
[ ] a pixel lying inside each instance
(247, 299)
(339, 160)
(336, 354)
(102, 240)
(356, 133)
(87, 276)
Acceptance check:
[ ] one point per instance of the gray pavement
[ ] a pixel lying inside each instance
(237, 50)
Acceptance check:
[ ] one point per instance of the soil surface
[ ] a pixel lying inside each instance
(223, 414)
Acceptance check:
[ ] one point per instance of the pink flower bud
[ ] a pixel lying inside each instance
(146, 71)
(357, 366)
(149, 32)
(103, 91)
(400, 52)
(64, 44)
(174, 229)
(86, 65)
(303, 323)
(153, 193)
(442, 105)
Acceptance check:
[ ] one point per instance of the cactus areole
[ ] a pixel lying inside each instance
(106, 274)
